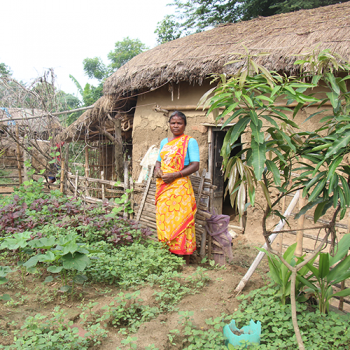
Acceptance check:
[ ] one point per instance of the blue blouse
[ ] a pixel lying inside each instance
(192, 154)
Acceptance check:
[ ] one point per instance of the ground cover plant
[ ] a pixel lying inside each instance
(63, 248)
(319, 331)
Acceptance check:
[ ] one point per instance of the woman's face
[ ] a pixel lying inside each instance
(177, 126)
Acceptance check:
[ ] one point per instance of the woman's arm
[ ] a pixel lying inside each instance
(157, 170)
(190, 169)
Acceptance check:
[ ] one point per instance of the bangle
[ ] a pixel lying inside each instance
(181, 174)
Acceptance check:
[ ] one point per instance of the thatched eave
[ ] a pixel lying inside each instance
(195, 57)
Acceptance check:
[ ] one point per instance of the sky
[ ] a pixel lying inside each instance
(59, 34)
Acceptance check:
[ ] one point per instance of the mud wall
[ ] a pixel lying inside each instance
(150, 127)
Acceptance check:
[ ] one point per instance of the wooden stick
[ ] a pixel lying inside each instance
(126, 184)
(76, 184)
(132, 199)
(66, 160)
(301, 221)
(25, 159)
(280, 238)
(259, 257)
(87, 170)
(342, 284)
(103, 186)
(145, 193)
(62, 175)
(99, 181)
(18, 157)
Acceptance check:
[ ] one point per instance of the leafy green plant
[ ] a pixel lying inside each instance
(281, 275)
(273, 148)
(323, 278)
(123, 204)
(4, 271)
(128, 312)
(64, 255)
(55, 333)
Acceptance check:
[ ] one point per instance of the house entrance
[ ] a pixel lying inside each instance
(222, 205)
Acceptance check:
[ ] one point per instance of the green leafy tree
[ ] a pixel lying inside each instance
(167, 30)
(274, 149)
(95, 68)
(198, 15)
(4, 70)
(124, 51)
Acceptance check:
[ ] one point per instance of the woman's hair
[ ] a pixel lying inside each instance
(178, 114)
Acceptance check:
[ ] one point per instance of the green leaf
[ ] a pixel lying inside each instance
(342, 249)
(266, 193)
(272, 167)
(248, 99)
(306, 282)
(333, 82)
(323, 265)
(65, 288)
(317, 190)
(77, 261)
(342, 293)
(254, 117)
(55, 269)
(258, 158)
(340, 143)
(32, 261)
(334, 166)
(5, 297)
(345, 190)
(297, 108)
(318, 211)
(333, 97)
(232, 117)
(80, 279)
(339, 269)
(48, 279)
(256, 133)
(238, 129)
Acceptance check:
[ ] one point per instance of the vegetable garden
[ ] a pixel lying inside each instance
(77, 276)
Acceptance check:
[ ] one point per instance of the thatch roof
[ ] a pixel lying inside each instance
(80, 127)
(34, 120)
(194, 57)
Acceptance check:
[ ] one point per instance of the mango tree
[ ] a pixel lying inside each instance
(273, 147)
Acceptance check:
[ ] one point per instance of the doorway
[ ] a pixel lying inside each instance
(222, 205)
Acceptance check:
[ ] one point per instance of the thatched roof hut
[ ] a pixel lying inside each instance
(175, 75)
(196, 56)
(193, 58)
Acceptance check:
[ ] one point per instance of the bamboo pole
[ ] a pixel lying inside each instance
(132, 198)
(76, 184)
(126, 184)
(259, 257)
(342, 284)
(62, 175)
(301, 221)
(66, 160)
(103, 186)
(26, 158)
(87, 171)
(18, 157)
(280, 236)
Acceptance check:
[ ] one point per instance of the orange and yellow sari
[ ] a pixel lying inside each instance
(176, 205)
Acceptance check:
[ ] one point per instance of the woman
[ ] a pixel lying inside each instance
(176, 206)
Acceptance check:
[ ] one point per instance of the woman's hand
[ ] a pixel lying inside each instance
(170, 177)
(158, 172)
